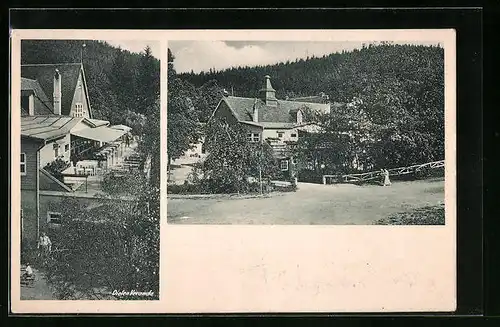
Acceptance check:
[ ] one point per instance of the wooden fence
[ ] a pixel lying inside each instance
(364, 177)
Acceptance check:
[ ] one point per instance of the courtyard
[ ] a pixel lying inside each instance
(311, 204)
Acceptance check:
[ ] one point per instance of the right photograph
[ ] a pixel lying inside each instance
(306, 133)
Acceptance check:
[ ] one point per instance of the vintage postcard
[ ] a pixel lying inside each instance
(234, 171)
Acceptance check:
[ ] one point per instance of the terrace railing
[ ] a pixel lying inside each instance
(369, 176)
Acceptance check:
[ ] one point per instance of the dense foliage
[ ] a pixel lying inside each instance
(102, 249)
(233, 164)
(387, 110)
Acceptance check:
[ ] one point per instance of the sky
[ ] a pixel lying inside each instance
(137, 46)
(203, 55)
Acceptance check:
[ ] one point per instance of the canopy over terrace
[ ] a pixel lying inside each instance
(87, 143)
(102, 134)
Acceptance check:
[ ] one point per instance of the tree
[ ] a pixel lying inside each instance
(209, 97)
(231, 159)
(123, 83)
(183, 124)
(148, 82)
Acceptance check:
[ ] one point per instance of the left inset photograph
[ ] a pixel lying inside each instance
(90, 169)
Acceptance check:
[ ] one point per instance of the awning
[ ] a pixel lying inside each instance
(121, 127)
(102, 134)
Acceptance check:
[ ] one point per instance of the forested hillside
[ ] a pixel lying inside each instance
(393, 98)
(118, 81)
(340, 75)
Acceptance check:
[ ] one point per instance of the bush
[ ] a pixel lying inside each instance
(310, 176)
(56, 167)
(185, 188)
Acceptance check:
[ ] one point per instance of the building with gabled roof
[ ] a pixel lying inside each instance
(268, 119)
(64, 87)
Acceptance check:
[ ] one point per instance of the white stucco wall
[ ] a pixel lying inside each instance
(287, 134)
(47, 153)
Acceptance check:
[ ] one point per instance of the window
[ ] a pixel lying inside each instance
(294, 135)
(25, 102)
(23, 163)
(280, 134)
(79, 110)
(253, 137)
(56, 150)
(54, 218)
(284, 165)
(66, 147)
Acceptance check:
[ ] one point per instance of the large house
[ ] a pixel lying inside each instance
(57, 127)
(65, 84)
(266, 118)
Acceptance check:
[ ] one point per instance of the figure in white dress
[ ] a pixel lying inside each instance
(387, 181)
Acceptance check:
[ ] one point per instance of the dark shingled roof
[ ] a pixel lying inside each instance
(284, 112)
(43, 106)
(44, 74)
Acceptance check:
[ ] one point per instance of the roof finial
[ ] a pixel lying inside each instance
(81, 53)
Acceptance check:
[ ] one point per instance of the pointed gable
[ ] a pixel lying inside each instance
(44, 75)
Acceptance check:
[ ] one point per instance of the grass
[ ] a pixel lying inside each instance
(430, 215)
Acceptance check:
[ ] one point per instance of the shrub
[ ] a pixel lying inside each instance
(56, 167)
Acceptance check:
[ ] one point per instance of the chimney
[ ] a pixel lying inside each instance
(57, 92)
(268, 94)
(31, 105)
(255, 111)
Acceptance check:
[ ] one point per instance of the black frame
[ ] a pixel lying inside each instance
(468, 25)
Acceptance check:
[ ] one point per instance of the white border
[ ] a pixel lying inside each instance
(277, 268)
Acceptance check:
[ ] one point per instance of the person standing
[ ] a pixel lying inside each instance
(44, 245)
(387, 181)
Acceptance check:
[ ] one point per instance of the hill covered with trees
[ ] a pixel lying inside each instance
(391, 100)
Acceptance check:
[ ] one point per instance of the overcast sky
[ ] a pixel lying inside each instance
(203, 55)
(137, 46)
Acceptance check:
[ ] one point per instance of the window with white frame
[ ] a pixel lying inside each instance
(253, 137)
(281, 134)
(78, 109)
(23, 163)
(284, 165)
(54, 218)
(66, 147)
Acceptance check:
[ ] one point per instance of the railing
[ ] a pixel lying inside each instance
(364, 177)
